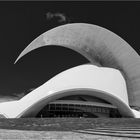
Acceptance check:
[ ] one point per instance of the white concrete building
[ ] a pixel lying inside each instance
(111, 82)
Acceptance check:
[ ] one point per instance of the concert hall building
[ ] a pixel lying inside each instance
(108, 86)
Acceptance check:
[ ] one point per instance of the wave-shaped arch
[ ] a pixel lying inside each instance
(99, 46)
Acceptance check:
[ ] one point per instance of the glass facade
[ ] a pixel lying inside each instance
(77, 110)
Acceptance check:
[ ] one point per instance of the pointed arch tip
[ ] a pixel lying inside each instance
(36, 43)
(17, 59)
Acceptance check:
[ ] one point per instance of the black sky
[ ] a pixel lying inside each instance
(22, 22)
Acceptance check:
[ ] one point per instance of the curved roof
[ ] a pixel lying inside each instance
(101, 47)
(104, 83)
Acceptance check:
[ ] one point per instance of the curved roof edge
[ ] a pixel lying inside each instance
(123, 108)
(105, 83)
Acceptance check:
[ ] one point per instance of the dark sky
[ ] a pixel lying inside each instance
(22, 22)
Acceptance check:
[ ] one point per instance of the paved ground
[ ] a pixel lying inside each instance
(67, 124)
(70, 129)
(52, 135)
